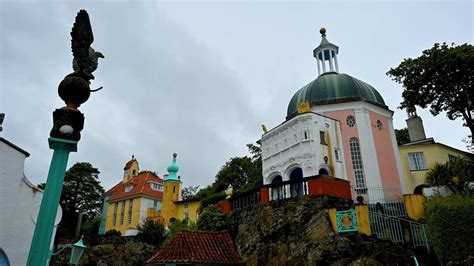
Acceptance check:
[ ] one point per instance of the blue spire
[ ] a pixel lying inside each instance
(172, 170)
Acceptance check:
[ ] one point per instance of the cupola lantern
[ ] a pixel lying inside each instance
(326, 55)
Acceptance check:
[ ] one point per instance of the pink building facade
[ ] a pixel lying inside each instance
(361, 146)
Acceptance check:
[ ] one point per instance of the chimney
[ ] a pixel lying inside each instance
(415, 125)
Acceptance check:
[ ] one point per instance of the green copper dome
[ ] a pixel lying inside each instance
(173, 168)
(330, 88)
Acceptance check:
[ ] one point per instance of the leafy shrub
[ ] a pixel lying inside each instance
(113, 232)
(178, 225)
(151, 232)
(211, 219)
(450, 227)
(213, 199)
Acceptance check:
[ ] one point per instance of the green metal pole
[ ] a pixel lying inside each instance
(39, 249)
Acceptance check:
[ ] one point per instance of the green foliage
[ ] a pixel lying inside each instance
(178, 225)
(211, 219)
(450, 227)
(442, 79)
(151, 232)
(455, 174)
(91, 227)
(112, 232)
(81, 191)
(213, 199)
(402, 135)
(148, 172)
(189, 193)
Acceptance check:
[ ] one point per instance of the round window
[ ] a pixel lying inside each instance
(379, 125)
(351, 121)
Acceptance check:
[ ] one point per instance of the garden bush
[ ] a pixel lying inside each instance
(450, 225)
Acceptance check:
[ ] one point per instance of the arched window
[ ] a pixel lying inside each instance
(357, 163)
(277, 192)
(296, 189)
(3, 258)
(323, 172)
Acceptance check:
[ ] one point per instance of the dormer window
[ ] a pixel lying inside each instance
(128, 188)
(156, 186)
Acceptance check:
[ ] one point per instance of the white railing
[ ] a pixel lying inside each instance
(374, 194)
(395, 229)
(287, 190)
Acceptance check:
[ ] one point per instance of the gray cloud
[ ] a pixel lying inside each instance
(199, 79)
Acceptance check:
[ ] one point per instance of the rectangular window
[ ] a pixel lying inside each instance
(122, 213)
(130, 210)
(322, 136)
(174, 189)
(306, 135)
(186, 215)
(357, 163)
(114, 223)
(186, 205)
(337, 154)
(417, 161)
(155, 204)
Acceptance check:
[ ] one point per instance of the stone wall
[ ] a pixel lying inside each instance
(299, 232)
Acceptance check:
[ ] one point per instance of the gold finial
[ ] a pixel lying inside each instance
(303, 107)
(264, 128)
(322, 31)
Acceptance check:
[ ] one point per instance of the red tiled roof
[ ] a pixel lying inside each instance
(141, 186)
(198, 247)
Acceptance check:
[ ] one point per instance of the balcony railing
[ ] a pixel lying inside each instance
(288, 189)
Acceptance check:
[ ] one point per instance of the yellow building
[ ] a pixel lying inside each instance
(127, 204)
(145, 196)
(421, 154)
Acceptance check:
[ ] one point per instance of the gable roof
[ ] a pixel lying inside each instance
(129, 164)
(198, 247)
(140, 187)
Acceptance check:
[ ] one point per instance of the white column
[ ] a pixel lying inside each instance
(335, 62)
(319, 68)
(367, 150)
(331, 66)
(323, 61)
(397, 156)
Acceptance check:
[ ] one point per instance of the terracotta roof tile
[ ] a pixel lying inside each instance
(198, 247)
(140, 187)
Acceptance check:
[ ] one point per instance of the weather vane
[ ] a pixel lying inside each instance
(74, 89)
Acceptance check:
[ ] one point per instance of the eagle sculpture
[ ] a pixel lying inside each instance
(85, 57)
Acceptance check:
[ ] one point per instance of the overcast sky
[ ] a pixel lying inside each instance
(199, 78)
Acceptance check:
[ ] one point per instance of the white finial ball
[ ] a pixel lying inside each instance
(66, 130)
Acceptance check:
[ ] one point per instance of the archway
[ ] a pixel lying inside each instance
(277, 191)
(3, 258)
(419, 189)
(296, 188)
(323, 172)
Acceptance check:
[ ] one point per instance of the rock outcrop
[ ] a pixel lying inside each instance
(299, 232)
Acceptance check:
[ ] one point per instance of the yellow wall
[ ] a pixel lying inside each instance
(362, 212)
(126, 225)
(415, 206)
(433, 153)
(169, 209)
(192, 208)
(131, 171)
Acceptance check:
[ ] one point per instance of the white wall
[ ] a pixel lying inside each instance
(18, 197)
(285, 147)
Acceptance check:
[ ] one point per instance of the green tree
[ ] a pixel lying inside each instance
(148, 172)
(179, 225)
(151, 232)
(211, 219)
(402, 135)
(82, 193)
(457, 174)
(442, 79)
(189, 193)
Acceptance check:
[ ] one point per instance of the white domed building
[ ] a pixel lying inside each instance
(338, 126)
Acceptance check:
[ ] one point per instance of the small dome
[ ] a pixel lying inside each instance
(330, 88)
(172, 170)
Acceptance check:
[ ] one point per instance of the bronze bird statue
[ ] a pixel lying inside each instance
(85, 57)
(74, 89)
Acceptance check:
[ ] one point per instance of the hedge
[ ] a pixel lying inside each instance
(450, 225)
